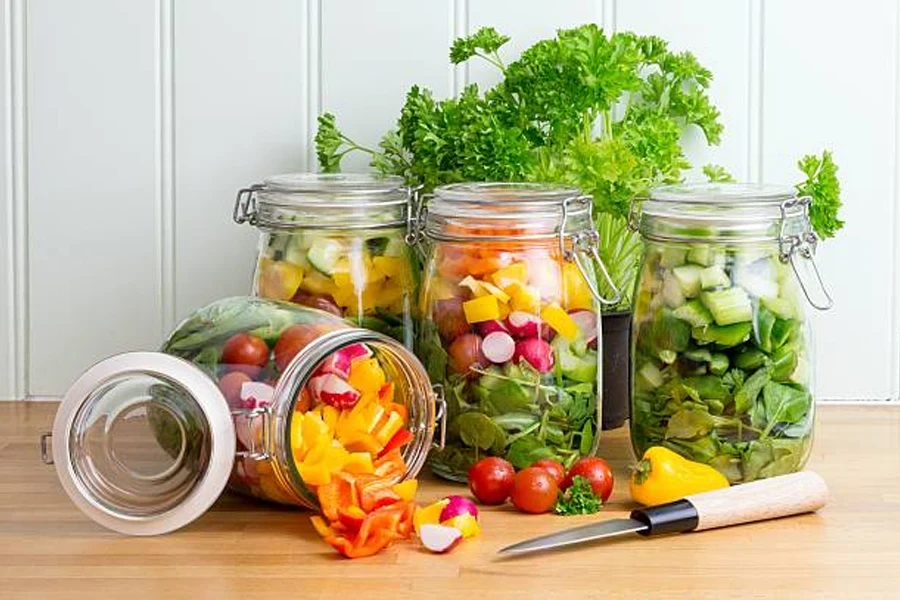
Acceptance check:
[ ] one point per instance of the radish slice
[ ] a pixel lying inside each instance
(439, 538)
(315, 386)
(587, 323)
(355, 351)
(458, 505)
(537, 352)
(523, 325)
(498, 347)
(489, 327)
(338, 393)
(338, 364)
(255, 394)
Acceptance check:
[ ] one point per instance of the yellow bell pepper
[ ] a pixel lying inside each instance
(329, 416)
(560, 321)
(359, 463)
(312, 430)
(386, 432)
(578, 294)
(406, 489)
(366, 376)
(314, 474)
(279, 280)
(486, 308)
(429, 515)
(509, 275)
(493, 290)
(465, 523)
(663, 476)
(523, 297)
(393, 267)
(316, 283)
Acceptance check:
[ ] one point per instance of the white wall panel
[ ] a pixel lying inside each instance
(7, 291)
(718, 34)
(829, 82)
(240, 115)
(91, 178)
(372, 52)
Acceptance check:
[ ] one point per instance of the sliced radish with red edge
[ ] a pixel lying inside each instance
(498, 347)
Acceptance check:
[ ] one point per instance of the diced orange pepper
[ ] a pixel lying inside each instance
(359, 463)
(339, 492)
(366, 376)
(351, 517)
(406, 489)
(486, 308)
(386, 394)
(560, 321)
(384, 518)
(375, 493)
(390, 465)
(378, 542)
(362, 442)
(320, 526)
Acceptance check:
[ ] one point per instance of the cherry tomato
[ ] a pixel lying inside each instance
(553, 467)
(465, 352)
(450, 318)
(597, 471)
(293, 340)
(231, 383)
(491, 480)
(245, 349)
(534, 490)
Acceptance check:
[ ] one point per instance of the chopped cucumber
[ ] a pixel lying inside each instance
(718, 364)
(727, 336)
(705, 256)
(728, 306)
(582, 369)
(694, 313)
(714, 277)
(782, 308)
(672, 257)
(698, 355)
(672, 291)
(688, 277)
(750, 359)
(324, 255)
(649, 377)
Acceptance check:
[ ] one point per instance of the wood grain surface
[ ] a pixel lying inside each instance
(247, 549)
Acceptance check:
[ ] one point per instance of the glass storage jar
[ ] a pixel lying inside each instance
(271, 398)
(722, 352)
(336, 242)
(510, 324)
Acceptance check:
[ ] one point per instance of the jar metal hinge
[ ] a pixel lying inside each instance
(245, 204)
(255, 419)
(440, 414)
(415, 215)
(46, 449)
(586, 241)
(802, 244)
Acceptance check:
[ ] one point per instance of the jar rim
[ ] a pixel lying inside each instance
(508, 192)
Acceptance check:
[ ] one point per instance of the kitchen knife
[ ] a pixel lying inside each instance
(756, 501)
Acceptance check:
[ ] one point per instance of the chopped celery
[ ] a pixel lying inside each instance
(688, 277)
(698, 355)
(694, 313)
(704, 255)
(671, 256)
(718, 363)
(714, 277)
(672, 291)
(728, 306)
(726, 336)
(782, 308)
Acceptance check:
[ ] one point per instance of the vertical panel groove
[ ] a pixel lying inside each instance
(17, 242)
(608, 9)
(895, 362)
(313, 27)
(756, 72)
(165, 167)
(459, 27)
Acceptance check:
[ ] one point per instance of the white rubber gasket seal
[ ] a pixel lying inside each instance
(222, 443)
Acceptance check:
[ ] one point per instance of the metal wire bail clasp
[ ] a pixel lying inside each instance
(588, 241)
(440, 415)
(255, 423)
(804, 243)
(415, 215)
(245, 204)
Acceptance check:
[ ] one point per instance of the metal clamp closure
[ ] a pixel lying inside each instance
(802, 244)
(415, 215)
(440, 415)
(46, 452)
(245, 204)
(256, 421)
(634, 214)
(586, 241)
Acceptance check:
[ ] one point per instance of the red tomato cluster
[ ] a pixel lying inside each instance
(535, 489)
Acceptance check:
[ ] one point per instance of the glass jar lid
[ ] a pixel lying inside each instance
(503, 210)
(720, 212)
(143, 443)
(324, 201)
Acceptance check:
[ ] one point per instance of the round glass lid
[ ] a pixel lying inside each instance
(143, 443)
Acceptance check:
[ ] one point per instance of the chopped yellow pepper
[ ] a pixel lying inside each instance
(525, 298)
(279, 280)
(406, 490)
(486, 308)
(366, 376)
(560, 321)
(578, 294)
(514, 273)
(359, 463)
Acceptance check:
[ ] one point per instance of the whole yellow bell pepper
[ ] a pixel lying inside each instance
(663, 476)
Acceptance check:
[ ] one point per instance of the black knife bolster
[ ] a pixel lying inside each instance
(679, 516)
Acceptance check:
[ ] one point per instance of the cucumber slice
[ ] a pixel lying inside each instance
(672, 257)
(705, 256)
(672, 291)
(728, 306)
(694, 313)
(724, 337)
(718, 364)
(698, 355)
(324, 254)
(782, 308)
(714, 277)
(688, 277)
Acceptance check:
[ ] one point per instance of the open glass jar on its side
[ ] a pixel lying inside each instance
(510, 323)
(722, 350)
(336, 242)
(274, 399)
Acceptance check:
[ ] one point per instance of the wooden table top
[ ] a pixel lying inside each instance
(247, 549)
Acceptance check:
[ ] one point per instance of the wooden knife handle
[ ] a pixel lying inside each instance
(760, 500)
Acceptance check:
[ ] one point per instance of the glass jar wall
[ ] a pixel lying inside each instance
(510, 326)
(722, 351)
(336, 242)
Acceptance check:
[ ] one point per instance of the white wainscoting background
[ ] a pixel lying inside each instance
(127, 127)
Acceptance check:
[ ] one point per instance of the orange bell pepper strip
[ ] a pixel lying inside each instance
(386, 394)
(352, 517)
(337, 493)
(386, 518)
(376, 543)
(400, 439)
(375, 492)
(390, 465)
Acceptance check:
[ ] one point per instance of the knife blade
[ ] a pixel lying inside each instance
(756, 501)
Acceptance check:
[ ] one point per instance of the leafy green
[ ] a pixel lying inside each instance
(526, 450)
(578, 499)
(483, 43)
(823, 187)
(479, 431)
(717, 174)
